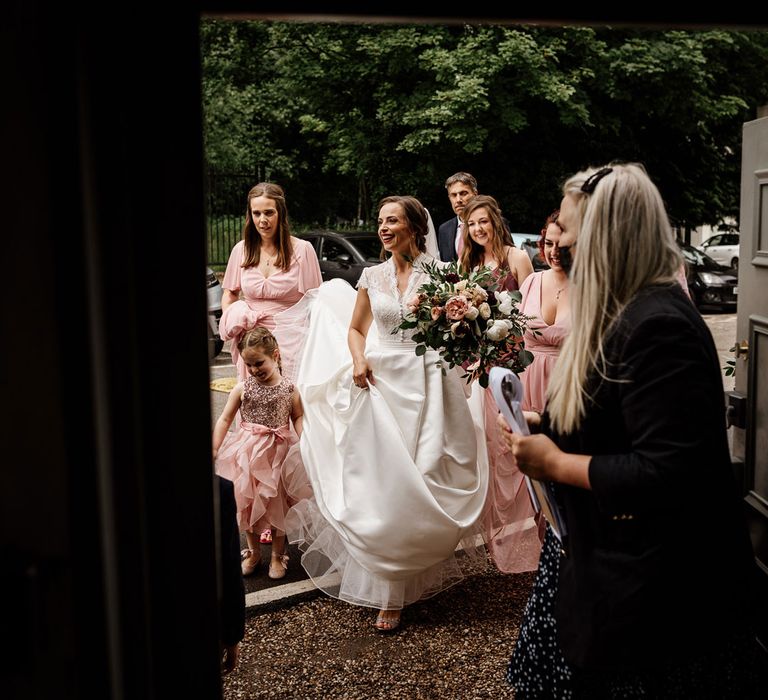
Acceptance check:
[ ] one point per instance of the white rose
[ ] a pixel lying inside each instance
(472, 313)
(461, 285)
(498, 330)
(485, 310)
(505, 302)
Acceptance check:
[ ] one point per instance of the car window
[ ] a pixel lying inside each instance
(314, 240)
(333, 251)
(715, 240)
(695, 258)
(368, 246)
(520, 238)
(731, 239)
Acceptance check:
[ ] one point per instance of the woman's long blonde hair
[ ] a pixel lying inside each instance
(625, 243)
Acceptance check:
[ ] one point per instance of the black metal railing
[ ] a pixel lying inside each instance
(226, 193)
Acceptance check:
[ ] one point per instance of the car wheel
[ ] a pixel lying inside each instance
(735, 263)
(215, 344)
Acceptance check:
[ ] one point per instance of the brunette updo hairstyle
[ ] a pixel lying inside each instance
(415, 215)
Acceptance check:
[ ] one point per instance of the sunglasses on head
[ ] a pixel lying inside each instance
(591, 182)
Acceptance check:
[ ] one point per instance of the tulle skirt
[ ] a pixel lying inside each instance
(254, 458)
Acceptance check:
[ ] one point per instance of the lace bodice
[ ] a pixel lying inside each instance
(266, 405)
(387, 304)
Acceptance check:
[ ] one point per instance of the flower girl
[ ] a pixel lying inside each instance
(253, 457)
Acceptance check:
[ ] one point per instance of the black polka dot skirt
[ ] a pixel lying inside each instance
(537, 668)
(732, 669)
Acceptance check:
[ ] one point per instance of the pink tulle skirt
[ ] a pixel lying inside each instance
(256, 459)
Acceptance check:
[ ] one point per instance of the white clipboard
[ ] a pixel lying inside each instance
(507, 391)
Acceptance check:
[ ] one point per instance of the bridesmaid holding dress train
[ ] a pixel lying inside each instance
(272, 270)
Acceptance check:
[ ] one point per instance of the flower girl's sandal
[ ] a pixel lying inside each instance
(248, 562)
(278, 566)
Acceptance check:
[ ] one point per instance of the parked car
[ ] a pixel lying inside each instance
(723, 248)
(709, 282)
(215, 293)
(529, 243)
(344, 255)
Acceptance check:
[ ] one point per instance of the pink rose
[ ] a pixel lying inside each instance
(414, 302)
(456, 308)
(437, 311)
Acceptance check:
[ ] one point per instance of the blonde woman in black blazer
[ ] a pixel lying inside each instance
(655, 584)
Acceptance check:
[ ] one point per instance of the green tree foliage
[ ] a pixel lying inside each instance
(342, 114)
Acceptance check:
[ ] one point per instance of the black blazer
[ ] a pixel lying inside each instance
(446, 239)
(659, 562)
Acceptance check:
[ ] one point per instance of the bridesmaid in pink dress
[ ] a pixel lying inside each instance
(545, 297)
(510, 533)
(272, 269)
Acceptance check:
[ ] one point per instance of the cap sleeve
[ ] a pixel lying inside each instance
(231, 279)
(363, 282)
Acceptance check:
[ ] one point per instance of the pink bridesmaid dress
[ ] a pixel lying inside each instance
(509, 530)
(545, 346)
(263, 297)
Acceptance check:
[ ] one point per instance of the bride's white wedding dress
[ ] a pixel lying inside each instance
(397, 477)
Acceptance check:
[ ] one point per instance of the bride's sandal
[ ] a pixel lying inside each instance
(278, 566)
(385, 623)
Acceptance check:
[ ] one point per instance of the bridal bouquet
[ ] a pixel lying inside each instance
(470, 322)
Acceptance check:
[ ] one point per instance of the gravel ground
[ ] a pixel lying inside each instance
(454, 645)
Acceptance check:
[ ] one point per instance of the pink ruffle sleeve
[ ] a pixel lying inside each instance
(237, 318)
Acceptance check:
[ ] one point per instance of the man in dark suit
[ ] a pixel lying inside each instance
(461, 188)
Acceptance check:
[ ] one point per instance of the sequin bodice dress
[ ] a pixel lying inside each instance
(267, 405)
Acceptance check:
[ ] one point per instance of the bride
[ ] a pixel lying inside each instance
(389, 444)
